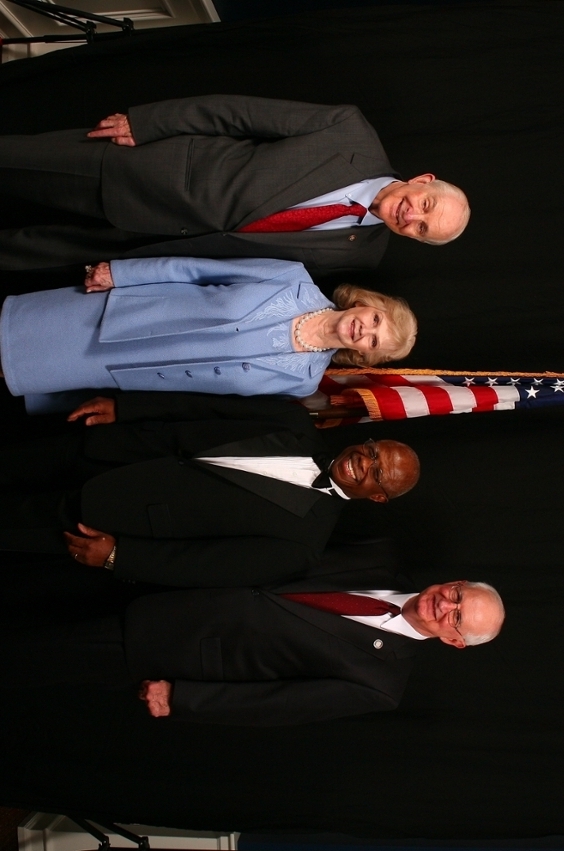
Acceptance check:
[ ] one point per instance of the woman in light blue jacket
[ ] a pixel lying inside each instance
(246, 326)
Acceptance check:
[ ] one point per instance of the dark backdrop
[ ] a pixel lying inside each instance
(473, 92)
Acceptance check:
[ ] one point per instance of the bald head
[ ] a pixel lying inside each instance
(423, 208)
(459, 613)
(402, 469)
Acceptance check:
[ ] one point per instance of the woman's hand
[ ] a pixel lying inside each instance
(98, 278)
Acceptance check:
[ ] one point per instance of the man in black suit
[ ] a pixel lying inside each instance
(192, 490)
(263, 656)
(197, 176)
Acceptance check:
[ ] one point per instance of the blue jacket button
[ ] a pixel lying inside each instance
(246, 366)
(217, 370)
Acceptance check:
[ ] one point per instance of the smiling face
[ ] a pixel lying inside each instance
(364, 329)
(420, 209)
(396, 471)
(433, 612)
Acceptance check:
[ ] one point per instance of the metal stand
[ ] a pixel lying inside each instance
(83, 21)
(142, 842)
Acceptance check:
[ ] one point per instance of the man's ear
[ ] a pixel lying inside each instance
(423, 178)
(378, 497)
(454, 642)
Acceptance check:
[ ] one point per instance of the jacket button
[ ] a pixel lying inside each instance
(378, 644)
(184, 232)
(188, 373)
(246, 366)
(352, 238)
(217, 370)
(161, 374)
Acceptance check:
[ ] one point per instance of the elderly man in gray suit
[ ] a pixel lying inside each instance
(223, 176)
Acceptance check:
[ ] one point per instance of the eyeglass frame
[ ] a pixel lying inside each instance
(457, 591)
(372, 451)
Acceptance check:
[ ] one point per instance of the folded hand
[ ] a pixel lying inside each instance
(115, 127)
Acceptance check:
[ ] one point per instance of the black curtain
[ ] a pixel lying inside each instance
(473, 92)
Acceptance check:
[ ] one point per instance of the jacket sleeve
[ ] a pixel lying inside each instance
(201, 270)
(277, 703)
(204, 563)
(237, 116)
(145, 405)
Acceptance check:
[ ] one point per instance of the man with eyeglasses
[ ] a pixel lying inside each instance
(340, 642)
(191, 489)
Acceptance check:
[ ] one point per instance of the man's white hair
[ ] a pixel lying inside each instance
(472, 639)
(449, 189)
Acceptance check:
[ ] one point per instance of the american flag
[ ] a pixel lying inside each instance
(361, 395)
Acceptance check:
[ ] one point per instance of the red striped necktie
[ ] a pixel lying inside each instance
(341, 603)
(303, 218)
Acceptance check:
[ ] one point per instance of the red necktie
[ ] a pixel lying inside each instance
(341, 603)
(303, 218)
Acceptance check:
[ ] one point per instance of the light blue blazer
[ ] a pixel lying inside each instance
(228, 331)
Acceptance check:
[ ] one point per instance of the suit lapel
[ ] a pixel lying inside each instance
(334, 173)
(293, 498)
(376, 642)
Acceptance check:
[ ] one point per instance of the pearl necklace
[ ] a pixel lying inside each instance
(298, 327)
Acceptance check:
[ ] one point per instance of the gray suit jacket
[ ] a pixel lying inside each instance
(206, 166)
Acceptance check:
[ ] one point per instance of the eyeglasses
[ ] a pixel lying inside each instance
(454, 617)
(371, 448)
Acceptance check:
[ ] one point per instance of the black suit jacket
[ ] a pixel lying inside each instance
(181, 522)
(249, 656)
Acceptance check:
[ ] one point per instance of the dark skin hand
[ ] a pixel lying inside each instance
(98, 411)
(92, 548)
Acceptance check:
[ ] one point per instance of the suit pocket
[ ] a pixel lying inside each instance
(160, 520)
(188, 173)
(211, 658)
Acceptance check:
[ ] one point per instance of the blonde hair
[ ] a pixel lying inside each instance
(401, 323)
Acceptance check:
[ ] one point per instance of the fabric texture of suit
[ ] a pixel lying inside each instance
(205, 166)
(244, 656)
(177, 520)
(249, 656)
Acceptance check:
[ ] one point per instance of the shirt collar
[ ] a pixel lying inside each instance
(365, 192)
(398, 623)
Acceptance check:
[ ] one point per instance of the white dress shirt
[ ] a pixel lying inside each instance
(388, 622)
(297, 470)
